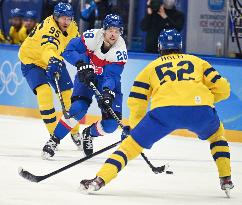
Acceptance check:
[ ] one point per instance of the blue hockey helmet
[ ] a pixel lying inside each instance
(16, 13)
(63, 9)
(30, 15)
(170, 39)
(113, 20)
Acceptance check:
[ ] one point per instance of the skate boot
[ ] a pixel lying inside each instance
(50, 147)
(87, 144)
(90, 185)
(77, 140)
(226, 185)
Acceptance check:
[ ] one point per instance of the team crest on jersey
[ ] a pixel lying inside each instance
(198, 100)
(97, 69)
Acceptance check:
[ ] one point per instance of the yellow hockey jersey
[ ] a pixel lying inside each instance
(44, 41)
(176, 80)
(14, 35)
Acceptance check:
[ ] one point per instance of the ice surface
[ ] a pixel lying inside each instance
(195, 179)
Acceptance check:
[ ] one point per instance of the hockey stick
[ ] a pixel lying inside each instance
(65, 113)
(156, 170)
(33, 178)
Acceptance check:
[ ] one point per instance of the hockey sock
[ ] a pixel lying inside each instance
(220, 152)
(46, 106)
(128, 150)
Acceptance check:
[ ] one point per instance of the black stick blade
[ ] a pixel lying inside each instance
(162, 169)
(27, 175)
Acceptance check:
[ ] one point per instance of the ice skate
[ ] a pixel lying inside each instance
(226, 185)
(76, 138)
(90, 185)
(87, 144)
(50, 148)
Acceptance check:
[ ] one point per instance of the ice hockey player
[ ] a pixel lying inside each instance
(40, 55)
(29, 22)
(16, 21)
(99, 55)
(180, 87)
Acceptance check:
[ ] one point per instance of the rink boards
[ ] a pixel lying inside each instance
(17, 99)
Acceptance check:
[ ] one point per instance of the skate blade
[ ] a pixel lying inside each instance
(79, 148)
(45, 156)
(84, 190)
(227, 192)
(85, 154)
(90, 190)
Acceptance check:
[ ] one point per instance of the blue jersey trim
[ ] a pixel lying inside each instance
(216, 77)
(141, 85)
(138, 95)
(208, 71)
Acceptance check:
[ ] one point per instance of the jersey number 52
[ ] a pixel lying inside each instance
(179, 75)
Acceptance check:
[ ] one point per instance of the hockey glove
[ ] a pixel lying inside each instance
(125, 132)
(54, 67)
(107, 99)
(85, 73)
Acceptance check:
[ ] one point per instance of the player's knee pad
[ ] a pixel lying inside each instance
(78, 109)
(44, 97)
(109, 125)
(66, 95)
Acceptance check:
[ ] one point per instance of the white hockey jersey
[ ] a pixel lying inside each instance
(93, 40)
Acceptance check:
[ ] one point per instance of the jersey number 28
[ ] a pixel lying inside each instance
(121, 55)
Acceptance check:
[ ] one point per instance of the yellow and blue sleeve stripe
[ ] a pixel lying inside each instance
(139, 90)
(141, 85)
(213, 74)
(50, 39)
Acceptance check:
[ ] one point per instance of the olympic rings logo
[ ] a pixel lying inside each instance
(10, 80)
